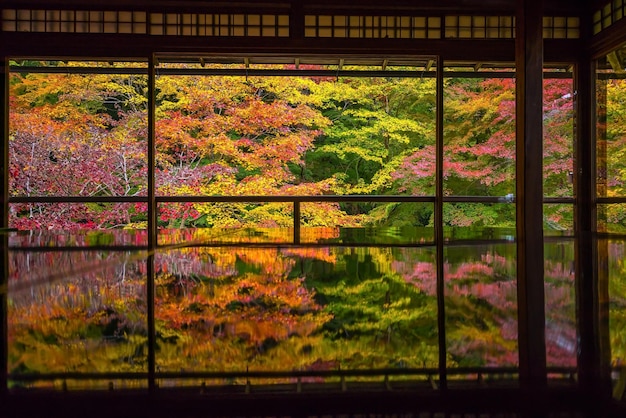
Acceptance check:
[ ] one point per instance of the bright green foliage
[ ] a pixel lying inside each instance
(611, 155)
(375, 125)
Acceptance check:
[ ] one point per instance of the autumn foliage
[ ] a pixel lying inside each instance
(85, 135)
(247, 304)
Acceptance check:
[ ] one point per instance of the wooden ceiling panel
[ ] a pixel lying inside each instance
(567, 7)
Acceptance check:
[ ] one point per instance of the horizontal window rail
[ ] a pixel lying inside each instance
(291, 198)
(259, 374)
(296, 200)
(611, 200)
(278, 72)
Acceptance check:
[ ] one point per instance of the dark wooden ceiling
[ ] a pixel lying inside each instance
(25, 43)
(562, 7)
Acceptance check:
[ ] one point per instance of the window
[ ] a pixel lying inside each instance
(303, 232)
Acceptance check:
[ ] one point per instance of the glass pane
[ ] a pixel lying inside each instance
(558, 136)
(611, 125)
(77, 134)
(391, 223)
(612, 218)
(226, 215)
(558, 219)
(479, 136)
(77, 216)
(472, 219)
(227, 135)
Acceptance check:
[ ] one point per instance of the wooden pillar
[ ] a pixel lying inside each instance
(529, 194)
(4, 223)
(152, 223)
(599, 315)
(593, 366)
(584, 222)
(296, 20)
(441, 314)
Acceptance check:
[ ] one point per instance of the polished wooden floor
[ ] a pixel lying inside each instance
(351, 400)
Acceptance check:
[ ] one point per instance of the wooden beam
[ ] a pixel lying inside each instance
(593, 348)
(152, 223)
(439, 233)
(296, 20)
(593, 311)
(494, 7)
(529, 194)
(125, 46)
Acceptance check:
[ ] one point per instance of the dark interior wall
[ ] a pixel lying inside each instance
(37, 44)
